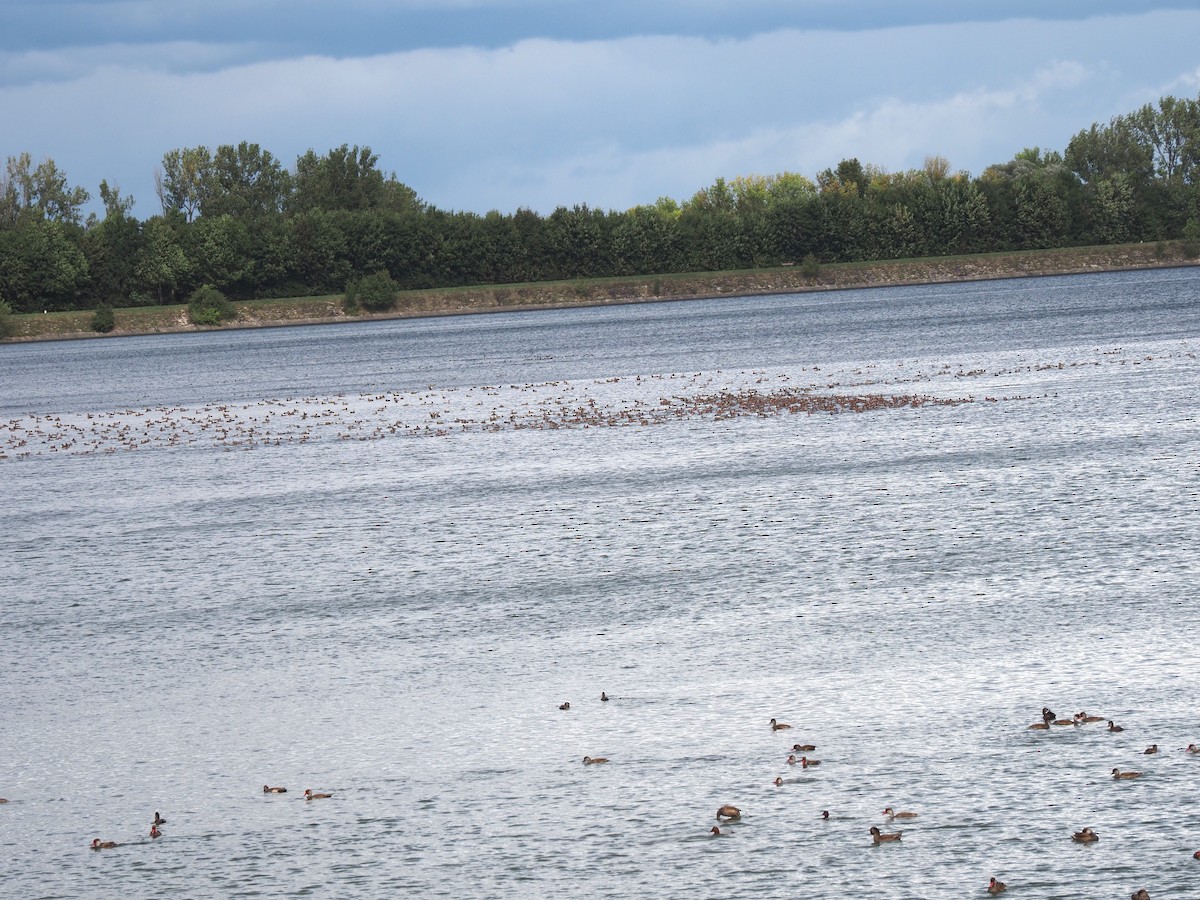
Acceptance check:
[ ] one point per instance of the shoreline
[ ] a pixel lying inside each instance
(579, 293)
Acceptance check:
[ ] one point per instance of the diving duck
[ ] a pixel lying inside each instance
(1040, 726)
(267, 789)
(1149, 751)
(880, 837)
(996, 887)
(1143, 894)
(805, 762)
(778, 726)
(309, 795)
(594, 760)
(1112, 727)
(1086, 836)
(1085, 718)
(154, 832)
(1118, 774)
(891, 814)
(715, 831)
(98, 844)
(1191, 748)
(158, 820)
(728, 813)
(564, 706)
(804, 748)
(604, 696)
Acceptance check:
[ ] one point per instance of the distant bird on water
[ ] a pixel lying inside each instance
(594, 760)
(1113, 727)
(564, 706)
(892, 814)
(728, 813)
(880, 837)
(309, 795)
(604, 696)
(98, 844)
(267, 789)
(996, 887)
(1118, 774)
(1086, 836)
(778, 726)
(1152, 749)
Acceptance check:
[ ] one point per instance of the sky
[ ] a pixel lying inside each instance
(503, 104)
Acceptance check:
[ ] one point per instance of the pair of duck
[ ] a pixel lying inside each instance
(98, 844)
(308, 793)
(803, 761)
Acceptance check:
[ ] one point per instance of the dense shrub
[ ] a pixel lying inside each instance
(103, 320)
(809, 267)
(208, 306)
(5, 320)
(374, 293)
(1191, 238)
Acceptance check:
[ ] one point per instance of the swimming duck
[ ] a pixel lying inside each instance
(778, 782)
(1196, 855)
(715, 830)
(2, 800)
(729, 813)
(805, 762)
(1152, 749)
(824, 814)
(564, 706)
(309, 795)
(880, 837)
(98, 844)
(1087, 836)
(1143, 894)
(594, 760)
(159, 820)
(604, 696)
(1112, 727)
(154, 832)
(1191, 748)
(1118, 774)
(267, 789)
(997, 887)
(1048, 716)
(1084, 717)
(1065, 722)
(778, 726)
(1040, 726)
(899, 815)
(804, 748)
(791, 760)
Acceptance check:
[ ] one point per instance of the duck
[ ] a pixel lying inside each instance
(1086, 836)
(1040, 726)
(309, 795)
(728, 813)
(158, 820)
(604, 696)
(98, 844)
(1084, 717)
(1118, 774)
(154, 832)
(715, 831)
(564, 706)
(891, 814)
(805, 762)
(778, 782)
(1047, 715)
(1113, 727)
(1152, 749)
(825, 814)
(267, 789)
(804, 748)
(880, 837)
(996, 887)
(1191, 748)
(2, 800)
(791, 760)
(594, 760)
(1143, 894)
(1196, 855)
(778, 726)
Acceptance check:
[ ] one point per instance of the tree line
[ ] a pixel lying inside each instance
(236, 219)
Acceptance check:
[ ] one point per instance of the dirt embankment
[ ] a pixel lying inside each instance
(645, 289)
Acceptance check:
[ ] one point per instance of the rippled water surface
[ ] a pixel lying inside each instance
(374, 559)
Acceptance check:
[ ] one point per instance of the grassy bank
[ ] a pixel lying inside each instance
(599, 291)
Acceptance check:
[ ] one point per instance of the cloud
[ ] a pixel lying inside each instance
(613, 123)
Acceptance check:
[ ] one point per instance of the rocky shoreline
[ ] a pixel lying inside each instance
(643, 289)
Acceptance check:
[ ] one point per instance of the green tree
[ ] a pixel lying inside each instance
(163, 266)
(208, 306)
(374, 293)
(245, 181)
(41, 192)
(183, 180)
(348, 178)
(41, 266)
(103, 320)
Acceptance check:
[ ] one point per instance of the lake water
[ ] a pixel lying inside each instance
(374, 559)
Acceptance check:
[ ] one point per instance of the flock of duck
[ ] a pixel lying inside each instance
(1086, 835)
(611, 402)
(158, 820)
